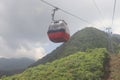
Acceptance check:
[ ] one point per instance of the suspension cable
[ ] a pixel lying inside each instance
(66, 12)
(99, 11)
(113, 16)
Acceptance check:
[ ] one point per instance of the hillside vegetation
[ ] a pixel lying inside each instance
(87, 38)
(87, 65)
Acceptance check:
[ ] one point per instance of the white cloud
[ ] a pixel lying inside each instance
(30, 51)
(5, 51)
(34, 53)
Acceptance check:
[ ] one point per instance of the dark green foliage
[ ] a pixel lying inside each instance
(88, 38)
(80, 66)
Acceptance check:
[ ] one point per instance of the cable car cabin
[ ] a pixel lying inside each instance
(58, 31)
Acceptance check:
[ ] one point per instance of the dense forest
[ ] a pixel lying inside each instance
(87, 65)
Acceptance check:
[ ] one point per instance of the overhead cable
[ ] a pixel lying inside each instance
(114, 8)
(66, 12)
(100, 12)
(97, 8)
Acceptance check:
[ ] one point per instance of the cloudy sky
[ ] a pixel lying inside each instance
(24, 23)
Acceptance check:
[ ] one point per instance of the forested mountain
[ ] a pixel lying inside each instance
(14, 65)
(87, 38)
(117, 35)
(7, 64)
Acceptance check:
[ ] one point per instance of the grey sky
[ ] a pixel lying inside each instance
(24, 23)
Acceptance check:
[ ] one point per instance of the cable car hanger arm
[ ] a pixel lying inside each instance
(66, 12)
(53, 14)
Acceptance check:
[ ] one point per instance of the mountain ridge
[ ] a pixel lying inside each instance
(9, 66)
(87, 38)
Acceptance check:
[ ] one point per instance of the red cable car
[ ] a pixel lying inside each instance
(58, 31)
